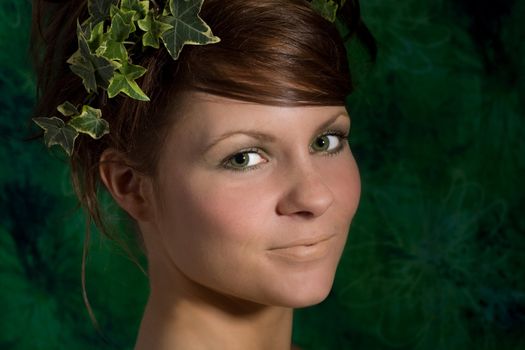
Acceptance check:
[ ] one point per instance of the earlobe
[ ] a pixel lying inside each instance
(125, 184)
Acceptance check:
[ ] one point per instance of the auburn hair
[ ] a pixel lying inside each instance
(276, 52)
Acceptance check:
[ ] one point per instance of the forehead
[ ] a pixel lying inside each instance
(219, 114)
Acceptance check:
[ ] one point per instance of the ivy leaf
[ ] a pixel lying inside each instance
(67, 109)
(122, 25)
(96, 36)
(93, 69)
(113, 50)
(153, 30)
(112, 46)
(124, 81)
(188, 27)
(99, 9)
(126, 14)
(326, 8)
(140, 7)
(90, 122)
(57, 133)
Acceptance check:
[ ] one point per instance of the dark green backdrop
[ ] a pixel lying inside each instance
(435, 256)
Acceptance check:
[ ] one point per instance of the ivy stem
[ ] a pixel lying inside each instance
(89, 98)
(155, 3)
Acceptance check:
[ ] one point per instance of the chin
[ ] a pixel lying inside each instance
(310, 299)
(304, 291)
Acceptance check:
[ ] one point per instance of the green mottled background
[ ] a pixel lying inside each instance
(436, 251)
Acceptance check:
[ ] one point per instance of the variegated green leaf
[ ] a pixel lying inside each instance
(113, 50)
(188, 27)
(90, 122)
(67, 109)
(57, 133)
(99, 9)
(121, 25)
(153, 30)
(95, 35)
(93, 69)
(140, 8)
(326, 8)
(124, 81)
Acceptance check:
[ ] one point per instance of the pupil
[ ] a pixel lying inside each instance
(240, 158)
(321, 142)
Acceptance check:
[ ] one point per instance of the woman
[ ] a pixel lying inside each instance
(237, 173)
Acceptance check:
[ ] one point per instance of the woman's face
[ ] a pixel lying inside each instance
(225, 210)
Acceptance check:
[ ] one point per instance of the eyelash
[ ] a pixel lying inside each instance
(341, 134)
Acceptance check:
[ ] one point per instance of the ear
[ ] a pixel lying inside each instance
(129, 188)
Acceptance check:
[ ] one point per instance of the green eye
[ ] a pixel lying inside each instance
(244, 160)
(325, 142)
(330, 143)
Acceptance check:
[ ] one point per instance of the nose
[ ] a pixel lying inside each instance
(307, 194)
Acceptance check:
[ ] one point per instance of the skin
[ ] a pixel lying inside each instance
(214, 284)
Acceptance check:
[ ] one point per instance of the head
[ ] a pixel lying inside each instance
(211, 202)
(217, 208)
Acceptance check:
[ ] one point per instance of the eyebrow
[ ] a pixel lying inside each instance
(268, 137)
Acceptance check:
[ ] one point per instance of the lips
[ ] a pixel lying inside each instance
(304, 242)
(303, 251)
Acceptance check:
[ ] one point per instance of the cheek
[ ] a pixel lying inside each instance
(220, 209)
(345, 183)
(213, 226)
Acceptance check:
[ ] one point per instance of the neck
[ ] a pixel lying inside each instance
(183, 314)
